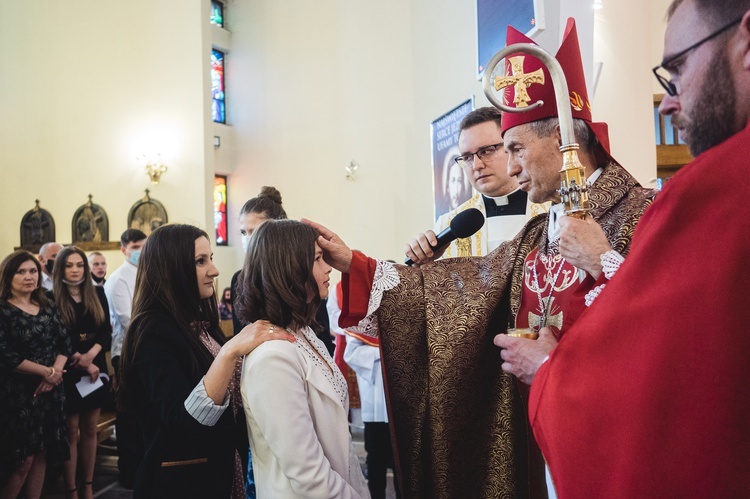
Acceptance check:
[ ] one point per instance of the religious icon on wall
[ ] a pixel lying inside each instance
(90, 223)
(147, 215)
(451, 185)
(37, 227)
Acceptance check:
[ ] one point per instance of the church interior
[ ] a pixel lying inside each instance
(92, 92)
(329, 101)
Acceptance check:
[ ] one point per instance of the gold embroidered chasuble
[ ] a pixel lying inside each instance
(461, 428)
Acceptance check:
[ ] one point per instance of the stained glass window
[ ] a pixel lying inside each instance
(220, 209)
(217, 13)
(218, 108)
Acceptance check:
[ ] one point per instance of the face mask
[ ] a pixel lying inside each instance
(97, 280)
(49, 265)
(245, 243)
(135, 255)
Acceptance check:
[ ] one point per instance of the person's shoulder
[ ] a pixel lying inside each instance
(273, 352)
(474, 201)
(113, 278)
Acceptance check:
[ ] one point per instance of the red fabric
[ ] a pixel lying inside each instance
(646, 395)
(349, 375)
(566, 288)
(569, 57)
(355, 286)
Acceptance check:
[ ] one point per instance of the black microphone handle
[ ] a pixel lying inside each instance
(443, 239)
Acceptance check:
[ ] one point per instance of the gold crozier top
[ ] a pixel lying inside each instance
(519, 80)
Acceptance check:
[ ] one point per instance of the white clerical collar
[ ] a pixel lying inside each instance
(501, 200)
(558, 210)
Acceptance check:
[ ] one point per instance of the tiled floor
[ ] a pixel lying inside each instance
(106, 485)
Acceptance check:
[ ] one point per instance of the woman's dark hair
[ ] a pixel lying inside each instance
(166, 285)
(267, 202)
(64, 300)
(224, 299)
(277, 279)
(8, 269)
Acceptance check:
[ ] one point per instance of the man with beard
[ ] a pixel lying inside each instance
(658, 404)
(460, 423)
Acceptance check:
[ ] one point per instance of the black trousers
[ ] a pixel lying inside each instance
(379, 458)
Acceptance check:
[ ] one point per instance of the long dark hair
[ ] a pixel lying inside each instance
(64, 300)
(8, 269)
(166, 285)
(277, 278)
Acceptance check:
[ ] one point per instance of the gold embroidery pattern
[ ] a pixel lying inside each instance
(460, 422)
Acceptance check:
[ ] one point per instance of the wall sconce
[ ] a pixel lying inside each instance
(154, 168)
(351, 170)
(217, 141)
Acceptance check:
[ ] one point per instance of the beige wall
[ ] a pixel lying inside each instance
(311, 86)
(81, 82)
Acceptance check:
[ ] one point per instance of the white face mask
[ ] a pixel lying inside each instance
(245, 242)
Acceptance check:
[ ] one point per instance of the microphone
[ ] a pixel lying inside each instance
(463, 225)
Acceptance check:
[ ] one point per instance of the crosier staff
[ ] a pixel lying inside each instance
(573, 191)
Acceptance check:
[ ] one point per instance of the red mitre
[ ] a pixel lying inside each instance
(530, 79)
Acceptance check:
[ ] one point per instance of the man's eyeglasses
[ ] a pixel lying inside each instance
(483, 153)
(664, 80)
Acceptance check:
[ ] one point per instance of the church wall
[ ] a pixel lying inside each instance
(311, 86)
(82, 84)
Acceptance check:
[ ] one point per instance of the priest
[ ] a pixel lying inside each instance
(460, 422)
(498, 197)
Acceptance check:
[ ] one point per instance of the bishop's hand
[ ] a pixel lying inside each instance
(582, 242)
(335, 251)
(523, 357)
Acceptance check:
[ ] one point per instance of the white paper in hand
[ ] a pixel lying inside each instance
(86, 387)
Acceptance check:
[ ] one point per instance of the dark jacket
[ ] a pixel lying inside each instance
(183, 457)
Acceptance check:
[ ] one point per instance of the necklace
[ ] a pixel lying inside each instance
(544, 306)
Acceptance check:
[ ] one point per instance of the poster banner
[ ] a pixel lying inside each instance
(451, 185)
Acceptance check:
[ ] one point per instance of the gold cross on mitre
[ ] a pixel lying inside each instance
(519, 80)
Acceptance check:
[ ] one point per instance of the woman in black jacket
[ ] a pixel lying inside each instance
(180, 376)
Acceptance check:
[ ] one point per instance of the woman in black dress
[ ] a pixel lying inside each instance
(84, 312)
(180, 375)
(33, 350)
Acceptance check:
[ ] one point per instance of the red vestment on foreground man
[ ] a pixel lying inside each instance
(647, 394)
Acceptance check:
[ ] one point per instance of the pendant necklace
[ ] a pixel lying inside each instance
(544, 307)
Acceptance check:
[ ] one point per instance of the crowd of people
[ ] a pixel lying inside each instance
(633, 386)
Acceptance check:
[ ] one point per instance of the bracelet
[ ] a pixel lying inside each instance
(51, 372)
